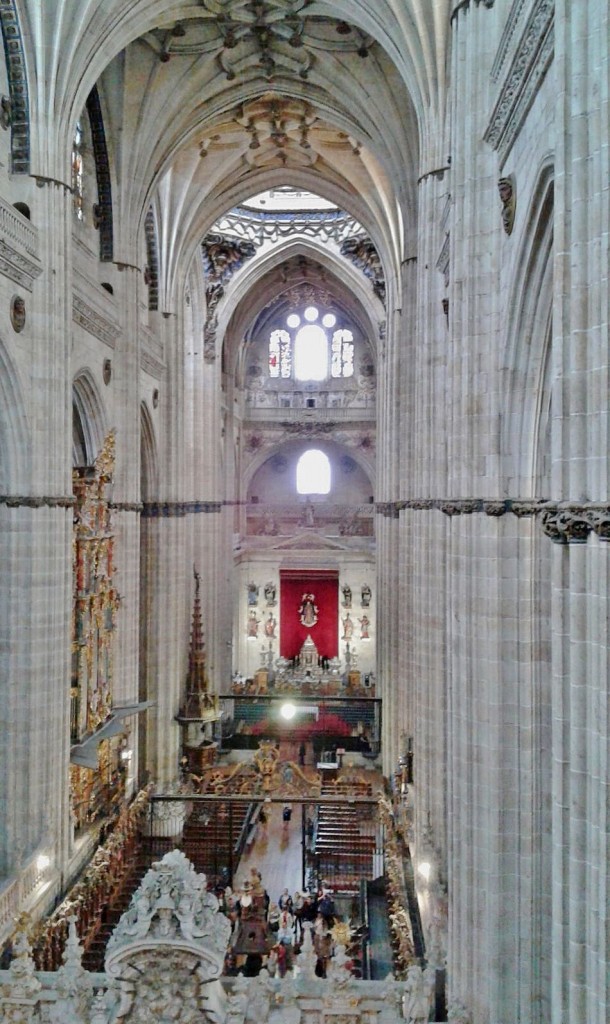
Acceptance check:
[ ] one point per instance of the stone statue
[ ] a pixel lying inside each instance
(364, 627)
(418, 994)
(348, 627)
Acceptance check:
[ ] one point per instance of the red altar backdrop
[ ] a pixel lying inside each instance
(324, 585)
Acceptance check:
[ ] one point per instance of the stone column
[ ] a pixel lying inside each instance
(43, 565)
(581, 954)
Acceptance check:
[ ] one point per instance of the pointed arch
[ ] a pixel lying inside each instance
(528, 348)
(89, 420)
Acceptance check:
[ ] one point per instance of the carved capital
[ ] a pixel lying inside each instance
(565, 525)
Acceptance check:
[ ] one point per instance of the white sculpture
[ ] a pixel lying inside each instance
(418, 994)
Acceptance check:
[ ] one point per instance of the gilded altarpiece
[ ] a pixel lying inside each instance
(94, 612)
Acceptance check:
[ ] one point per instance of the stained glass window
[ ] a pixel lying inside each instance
(77, 171)
(342, 354)
(303, 352)
(280, 354)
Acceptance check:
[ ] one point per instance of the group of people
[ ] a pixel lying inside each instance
(270, 934)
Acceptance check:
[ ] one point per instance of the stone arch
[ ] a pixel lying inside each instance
(528, 349)
(14, 431)
(89, 421)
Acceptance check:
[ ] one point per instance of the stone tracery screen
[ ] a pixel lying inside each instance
(324, 585)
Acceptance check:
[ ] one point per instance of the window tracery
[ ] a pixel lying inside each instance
(307, 351)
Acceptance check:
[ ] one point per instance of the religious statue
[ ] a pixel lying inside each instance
(270, 593)
(252, 593)
(348, 627)
(308, 610)
(418, 992)
(270, 625)
(365, 596)
(347, 596)
(364, 627)
(253, 624)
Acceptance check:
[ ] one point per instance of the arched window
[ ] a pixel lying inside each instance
(313, 473)
(304, 351)
(342, 354)
(280, 354)
(311, 353)
(77, 171)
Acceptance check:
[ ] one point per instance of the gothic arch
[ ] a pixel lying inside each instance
(14, 431)
(89, 420)
(528, 349)
(149, 466)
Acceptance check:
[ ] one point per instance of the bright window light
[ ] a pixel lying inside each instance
(329, 320)
(293, 320)
(311, 354)
(313, 473)
(311, 314)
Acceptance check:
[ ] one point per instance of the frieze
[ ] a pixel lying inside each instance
(442, 263)
(172, 509)
(562, 522)
(531, 60)
(16, 266)
(152, 366)
(94, 322)
(38, 501)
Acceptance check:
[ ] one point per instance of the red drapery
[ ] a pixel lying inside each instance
(324, 585)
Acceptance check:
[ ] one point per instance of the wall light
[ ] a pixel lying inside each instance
(288, 711)
(42, 862)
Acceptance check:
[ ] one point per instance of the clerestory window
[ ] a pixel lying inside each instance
(309, 349)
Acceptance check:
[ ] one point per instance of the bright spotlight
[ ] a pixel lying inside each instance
(288, 711)
(42, 862)
(425, 869)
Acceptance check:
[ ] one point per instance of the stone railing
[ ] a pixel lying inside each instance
(18, 228)
(20, 893)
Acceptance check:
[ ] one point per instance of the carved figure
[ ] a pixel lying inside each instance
(347, 596)
(506, 188)
(308, 611)
(270, 625)
(253, 624)
(418, 992)
(365, 596)
(348, 627)
(18, 313)
(270, 593)
(364, 627)
(252, 593)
